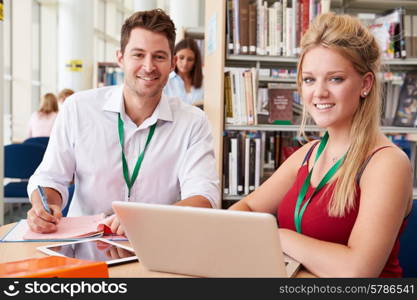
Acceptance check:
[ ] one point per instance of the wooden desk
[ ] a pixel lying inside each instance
(18, 251)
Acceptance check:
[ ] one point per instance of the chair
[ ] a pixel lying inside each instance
(20, 162)
(408, 244)
(71, 189)
(42, 140)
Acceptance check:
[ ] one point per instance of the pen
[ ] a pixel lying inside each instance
(43, 199)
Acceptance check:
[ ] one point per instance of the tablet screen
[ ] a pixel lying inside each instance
(94, 250)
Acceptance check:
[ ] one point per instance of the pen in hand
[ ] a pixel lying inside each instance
(44, 199)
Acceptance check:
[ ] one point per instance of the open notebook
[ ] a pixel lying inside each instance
(69, 229)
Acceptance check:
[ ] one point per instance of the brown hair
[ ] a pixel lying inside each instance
(65, 93)
(348, 36)
(196, 73)
(155, 20)
(49, 104)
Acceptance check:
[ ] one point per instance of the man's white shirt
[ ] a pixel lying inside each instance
(178, 163)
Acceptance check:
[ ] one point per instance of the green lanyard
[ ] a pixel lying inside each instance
(299, 211)
(131, 181)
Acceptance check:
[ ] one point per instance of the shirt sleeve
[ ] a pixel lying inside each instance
(198, 175)
(58, 165)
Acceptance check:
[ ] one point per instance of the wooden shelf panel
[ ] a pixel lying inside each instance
(310, 128)
(293, 60)
(274, 79)
(239, 197)
(271, 127)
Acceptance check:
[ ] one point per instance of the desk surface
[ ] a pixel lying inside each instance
(18, 251)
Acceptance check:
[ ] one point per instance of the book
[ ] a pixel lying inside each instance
(280, 105)
(229, 26)
(287, 146)
(233, 165)
(252, 164)
(388, 32)
(406, 112)
(229, 117)
(249, 97)
(226, 151)
(244, 26)
(54, 266)
(258, 152)
(414, 36)
(241, 136)
(236, 27)
(392, 85)
(407, 35)
(247, 164)
(252, 28)
(69, 229)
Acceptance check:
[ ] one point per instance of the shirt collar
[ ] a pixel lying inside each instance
(114, 99)
(114, 103)
(165, 109)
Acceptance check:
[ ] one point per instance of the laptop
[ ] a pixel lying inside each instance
(204, 242)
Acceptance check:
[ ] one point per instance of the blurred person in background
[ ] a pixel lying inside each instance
(63, 94)
(41, 121)
(186, 81)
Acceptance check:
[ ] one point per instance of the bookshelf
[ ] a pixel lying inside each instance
(107, 73)
(218, 58)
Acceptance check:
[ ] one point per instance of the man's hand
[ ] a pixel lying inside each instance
(195, 201)
(114, 224)
(39, 219)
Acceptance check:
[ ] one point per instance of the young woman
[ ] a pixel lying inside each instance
(41, 121)
(186, 81)
(340, 202)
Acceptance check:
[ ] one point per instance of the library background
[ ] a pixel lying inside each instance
(50, 45)
(249, 49)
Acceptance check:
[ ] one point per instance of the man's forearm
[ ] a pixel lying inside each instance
(197, 201)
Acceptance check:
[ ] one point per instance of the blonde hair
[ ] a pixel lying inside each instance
(352, 40)
(65, 93)
(49, 104)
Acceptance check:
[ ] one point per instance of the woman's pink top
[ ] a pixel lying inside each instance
(40, 124)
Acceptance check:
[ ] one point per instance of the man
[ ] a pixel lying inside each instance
(106, 137)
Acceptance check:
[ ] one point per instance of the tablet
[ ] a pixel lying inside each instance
(97, 249)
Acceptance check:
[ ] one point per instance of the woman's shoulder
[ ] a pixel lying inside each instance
(172, 84)
(308, 146)
(387, 153)
(53, 115)
(298, 157)
(387, 159)
(387, 176)
(172, 78)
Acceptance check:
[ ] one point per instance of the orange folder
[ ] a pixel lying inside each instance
(54, 266)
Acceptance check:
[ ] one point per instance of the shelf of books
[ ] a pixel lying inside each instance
(108, 73)
(251, 70)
